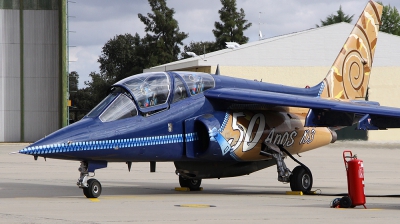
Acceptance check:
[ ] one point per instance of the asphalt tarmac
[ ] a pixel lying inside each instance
(46, 192)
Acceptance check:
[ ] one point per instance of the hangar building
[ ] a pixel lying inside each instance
(303, 59)
(33, 68)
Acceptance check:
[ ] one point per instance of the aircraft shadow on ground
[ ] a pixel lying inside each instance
(13, 190)
(27, 190)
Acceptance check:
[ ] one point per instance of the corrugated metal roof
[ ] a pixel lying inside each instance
(313, 47)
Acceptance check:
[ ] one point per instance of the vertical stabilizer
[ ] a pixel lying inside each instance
(349, 75)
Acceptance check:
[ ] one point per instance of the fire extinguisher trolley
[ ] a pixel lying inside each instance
(355, 181)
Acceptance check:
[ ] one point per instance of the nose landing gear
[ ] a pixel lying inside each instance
(93, 190)
(91, 187)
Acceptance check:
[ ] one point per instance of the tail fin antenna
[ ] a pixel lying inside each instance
(217, 70)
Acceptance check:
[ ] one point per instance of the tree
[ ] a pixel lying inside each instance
(126, 55)
(122, 56)
(73, 80)
(163, 37)
(98, 87)
(232, 25)
(81, 104)
(80, 98)
(199, 48)
(390, 20)
(119, 59)
(338, 18)
(87, 98)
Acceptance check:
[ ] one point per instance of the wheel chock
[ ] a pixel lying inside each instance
(185, 189)
(301, 193)
(294, 192)
(182, 189)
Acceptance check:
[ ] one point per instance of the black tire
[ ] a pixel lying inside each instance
(345, 202)
(301, 180)
(93, 190)
(86, 191)
(192, 184)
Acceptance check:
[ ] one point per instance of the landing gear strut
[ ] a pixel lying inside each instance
(91, 187)
(300, 178)
(274, 151)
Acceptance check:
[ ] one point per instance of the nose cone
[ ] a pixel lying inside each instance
(42, 150)
(65, 140)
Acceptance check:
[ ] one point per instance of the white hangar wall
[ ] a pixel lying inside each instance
(30, 69)
(304, 58)
(10, 116)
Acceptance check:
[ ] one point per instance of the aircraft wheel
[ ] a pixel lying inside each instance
(93, 190)
(345, 202)
(192, 184)
(301, 180)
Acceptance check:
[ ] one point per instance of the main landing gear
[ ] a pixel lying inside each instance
(91, 187)
(300, 178)
(192, 184)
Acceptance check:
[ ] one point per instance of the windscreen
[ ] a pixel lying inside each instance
(103, 104)
(117, 94)
(122, 107)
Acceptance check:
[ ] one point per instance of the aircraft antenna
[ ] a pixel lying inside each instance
(204, 51)
(259, 26)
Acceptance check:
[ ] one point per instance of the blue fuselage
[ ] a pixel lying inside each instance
(158, 136)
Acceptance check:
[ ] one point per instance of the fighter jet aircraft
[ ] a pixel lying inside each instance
(214, 126)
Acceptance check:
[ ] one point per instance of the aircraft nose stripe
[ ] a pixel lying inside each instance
(107, 144)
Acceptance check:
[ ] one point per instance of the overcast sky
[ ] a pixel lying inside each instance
(93, 22)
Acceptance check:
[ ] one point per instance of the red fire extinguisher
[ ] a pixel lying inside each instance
(355, 181)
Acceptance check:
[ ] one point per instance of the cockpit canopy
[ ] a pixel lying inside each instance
(197, 82)
(150, 92)
(149, 89)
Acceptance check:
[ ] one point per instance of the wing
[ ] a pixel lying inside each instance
(323, 112)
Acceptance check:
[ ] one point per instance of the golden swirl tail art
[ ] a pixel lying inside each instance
(349, 75)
